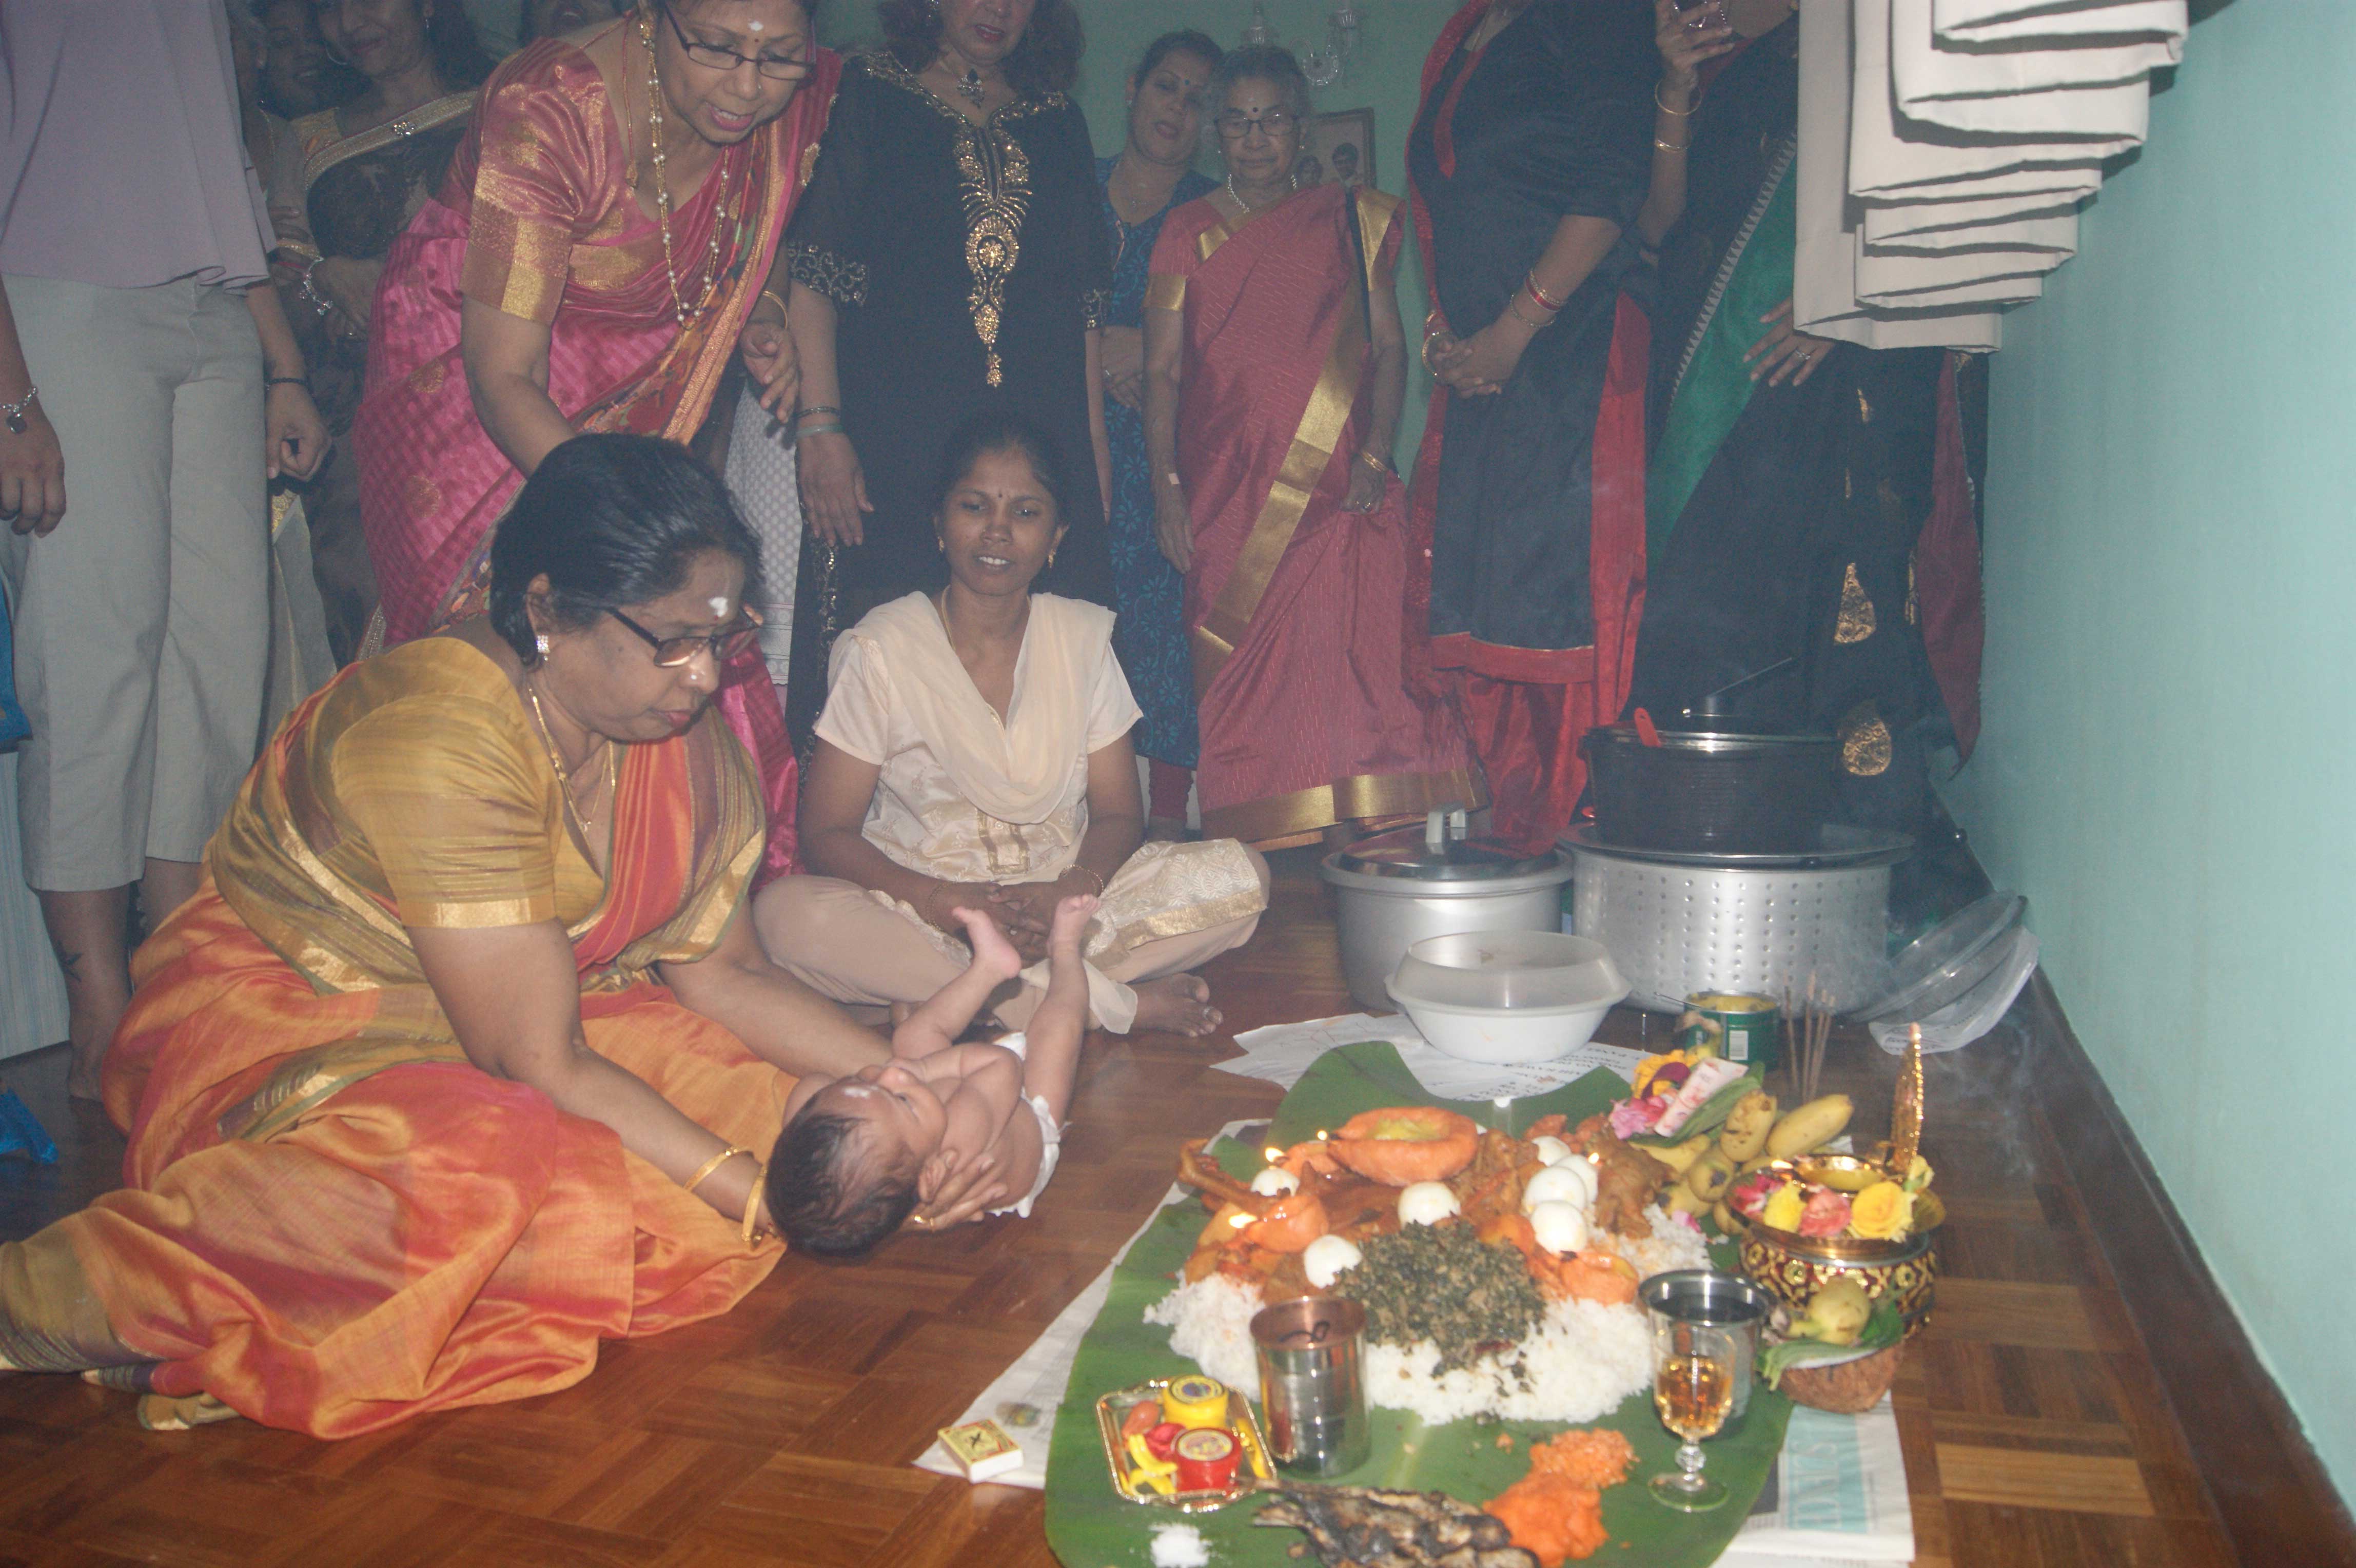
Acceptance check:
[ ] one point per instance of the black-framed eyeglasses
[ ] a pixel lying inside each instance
(1234, 127)
(723, 645)
(777, 68)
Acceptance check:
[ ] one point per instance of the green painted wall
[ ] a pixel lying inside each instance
(2169, 765)
(1383, 75)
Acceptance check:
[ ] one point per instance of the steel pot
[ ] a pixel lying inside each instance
(1679, 924)
(1708, 792)
(1394, 889)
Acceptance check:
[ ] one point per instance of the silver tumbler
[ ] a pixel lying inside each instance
(1310, 1387)
(1727, 1301)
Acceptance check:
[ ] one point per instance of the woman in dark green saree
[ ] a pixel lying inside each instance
(1790, 476)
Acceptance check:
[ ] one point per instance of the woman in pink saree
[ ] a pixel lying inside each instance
(1275, 371)
(599, 252)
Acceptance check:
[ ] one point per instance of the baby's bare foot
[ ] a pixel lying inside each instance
(1070, 925)
(1177, 1005)
(993, 953)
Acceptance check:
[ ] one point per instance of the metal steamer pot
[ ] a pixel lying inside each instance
(1700, 791)
(1394, 889)
(1761, 924)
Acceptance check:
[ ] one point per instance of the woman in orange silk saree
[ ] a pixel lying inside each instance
(331, 1220)
(1294, 604)
(537, 219)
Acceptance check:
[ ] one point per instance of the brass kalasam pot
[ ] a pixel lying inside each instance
(1793, 1267)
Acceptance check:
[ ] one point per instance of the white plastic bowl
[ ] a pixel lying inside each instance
(1557, 987)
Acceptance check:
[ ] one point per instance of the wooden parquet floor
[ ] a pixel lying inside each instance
(2035, 1429)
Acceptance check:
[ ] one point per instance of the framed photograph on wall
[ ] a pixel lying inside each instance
(1337, 149)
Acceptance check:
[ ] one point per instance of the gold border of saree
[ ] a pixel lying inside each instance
(1304, 813)
(1321, 424)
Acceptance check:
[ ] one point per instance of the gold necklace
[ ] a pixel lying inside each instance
(564, 774)
(663, 187)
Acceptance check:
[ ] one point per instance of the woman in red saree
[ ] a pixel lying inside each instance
(450, 1069)
(602, 243)
(1275, 374)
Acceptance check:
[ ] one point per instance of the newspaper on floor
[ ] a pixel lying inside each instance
(1281, 1053)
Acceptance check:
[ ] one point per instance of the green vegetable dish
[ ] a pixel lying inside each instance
(1441, 1282)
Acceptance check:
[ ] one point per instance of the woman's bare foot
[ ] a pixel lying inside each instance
(993, 953)
(1176, 1004)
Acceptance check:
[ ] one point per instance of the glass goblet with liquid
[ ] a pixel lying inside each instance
(1693, 1388)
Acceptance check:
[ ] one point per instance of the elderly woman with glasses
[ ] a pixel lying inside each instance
(604, 244)
(449, 1070)
(1275, 371)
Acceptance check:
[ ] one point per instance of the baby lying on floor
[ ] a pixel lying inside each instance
(859, 1154)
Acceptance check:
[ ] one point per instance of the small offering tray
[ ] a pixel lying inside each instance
(1253, 1470)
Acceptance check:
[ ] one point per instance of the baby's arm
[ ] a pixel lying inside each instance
(1051, 1040)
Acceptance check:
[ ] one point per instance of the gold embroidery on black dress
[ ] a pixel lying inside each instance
(994, 183)
(1864, 741)
(1857, 617)
(843, 281)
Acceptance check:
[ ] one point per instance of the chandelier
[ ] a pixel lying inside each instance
(1325, 61)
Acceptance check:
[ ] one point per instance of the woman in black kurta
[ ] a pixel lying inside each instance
(1792, 476)
(1528, 161)
(965, 265)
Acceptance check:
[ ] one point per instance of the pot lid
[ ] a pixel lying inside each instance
(1840, 847)
(1947, 960)
(1439, 852)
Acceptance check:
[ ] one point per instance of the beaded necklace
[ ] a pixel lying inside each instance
(662, 188)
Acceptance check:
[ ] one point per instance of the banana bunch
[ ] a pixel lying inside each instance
(1703, 1168)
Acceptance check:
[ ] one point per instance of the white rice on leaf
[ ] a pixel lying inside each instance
(1580, 1361)
(1210, 1323)
(1672, 1245)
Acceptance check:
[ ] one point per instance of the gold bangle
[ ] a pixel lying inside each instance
(753, 1203)
(1681, 113)
(713, 1164)
(1088, 871)
(1671, 147)
(772, 293)
(1376, 464)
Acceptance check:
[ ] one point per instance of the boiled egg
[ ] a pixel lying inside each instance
(1274, 1182)
(1559, 1227)
(1552, 1151)
(1559, 1184)
(1426, 1203)
(1327, 1258)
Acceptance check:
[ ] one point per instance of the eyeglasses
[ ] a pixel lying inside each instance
(777, 68)
(1234, 127)
(723, 645)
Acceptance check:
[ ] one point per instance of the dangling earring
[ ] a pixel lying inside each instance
(940, 545)
(1050, 558)
(540, 644)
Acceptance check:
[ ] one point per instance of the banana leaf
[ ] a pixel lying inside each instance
(1089, 1526)
(1883, 1328)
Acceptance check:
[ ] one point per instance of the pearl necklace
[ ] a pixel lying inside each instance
(662, 188)
(1238, 196)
